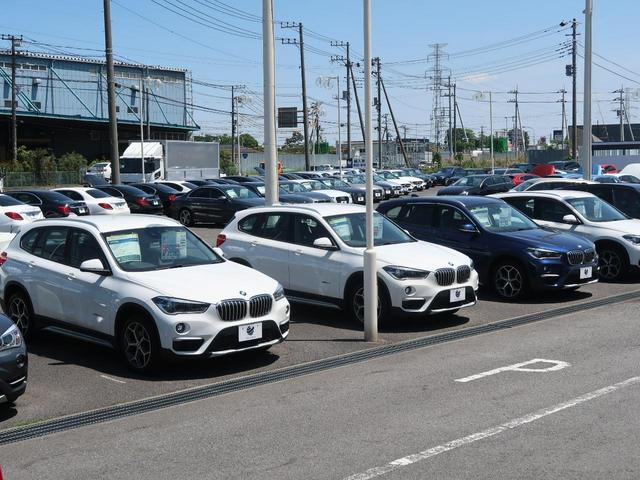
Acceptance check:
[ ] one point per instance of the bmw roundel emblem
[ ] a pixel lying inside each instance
(457, 293)
(243, 293)
(250, 330)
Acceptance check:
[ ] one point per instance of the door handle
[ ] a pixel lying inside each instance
(254, 244)
(298, 252)
(71, 276)
(32, 264)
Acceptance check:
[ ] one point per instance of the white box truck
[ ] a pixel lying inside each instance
(169, 160)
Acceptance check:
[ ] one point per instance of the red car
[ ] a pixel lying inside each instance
(609, 168)
(518, 178)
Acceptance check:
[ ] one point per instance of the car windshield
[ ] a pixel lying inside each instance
(596, 210)
(237, 191)
(314, 185)
(499, 217)
(351, 230)
(469, 181)
(335, 183)
(158, 248)
(7, 201)
(525, 185)
(95, 193)
(295, 187)
(376, 178)
(445, 171)
(358, 179)
(388, 175)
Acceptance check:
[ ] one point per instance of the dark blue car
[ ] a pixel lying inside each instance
(511, 253)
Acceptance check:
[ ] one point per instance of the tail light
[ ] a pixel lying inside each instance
(14, 215)
(172, 198)
(220, 239)
(3, 258)
(143, 202)
(64, 210)
(106, 206)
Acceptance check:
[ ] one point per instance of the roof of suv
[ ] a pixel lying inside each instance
(322, 209)
(561, 194)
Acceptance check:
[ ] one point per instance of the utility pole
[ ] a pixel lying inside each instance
(111, 96)
(269, 95)
(574, 101)
(455, 117)
(355, 96)
(15, 42)
(395, 125)
(564, 116)
(305, 115)
(515, 120)
(347, 63)
(621, 113)
(588, 57)
(379, 109)
(233, 123)
(450, 139)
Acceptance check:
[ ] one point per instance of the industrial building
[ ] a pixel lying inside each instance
(62, 103)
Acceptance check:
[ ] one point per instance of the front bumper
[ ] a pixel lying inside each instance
(13, 373)
(209, 336)
(551, 275)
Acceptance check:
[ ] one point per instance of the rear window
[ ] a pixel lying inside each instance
(95, 193)
(7, 201)
(54, 197)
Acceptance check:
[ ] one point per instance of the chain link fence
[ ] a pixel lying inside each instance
(42, 179)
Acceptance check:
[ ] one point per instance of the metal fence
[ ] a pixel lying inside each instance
(41, 179)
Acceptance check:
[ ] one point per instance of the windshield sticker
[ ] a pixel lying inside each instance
(342, 227)
(505, 217)
(173, 245)
(377, 226)
(126, 247)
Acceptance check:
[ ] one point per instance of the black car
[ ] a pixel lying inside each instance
(390, 190)
(525, 167)
(52, 204)
(183, 187)
(137, 200)
(624, 196)
(290, 176)
(283, 195)
(416, 172)
(445, 173)
(296, 188)
(357, 193)
(199, 183)
(511, 253)
(478, 185)
(13, 359)
(165, 193)
(213, 204)
(240, 178)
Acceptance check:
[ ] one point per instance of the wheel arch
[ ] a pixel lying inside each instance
(358, 277)
(126, 310)
(607, 242)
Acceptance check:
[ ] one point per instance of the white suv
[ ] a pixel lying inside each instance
(142, 284)
(316, 253)
(617, 237)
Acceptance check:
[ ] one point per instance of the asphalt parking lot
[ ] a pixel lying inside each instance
(68, 376)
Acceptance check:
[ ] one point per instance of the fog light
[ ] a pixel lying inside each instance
(181, 327)
(409, 290)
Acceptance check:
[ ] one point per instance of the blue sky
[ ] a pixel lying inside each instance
(402, 30)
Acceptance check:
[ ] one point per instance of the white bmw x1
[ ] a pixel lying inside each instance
(316, 253)
(142, 284)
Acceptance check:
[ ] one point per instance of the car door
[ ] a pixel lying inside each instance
(90, 296)
(49, 260)
(198, 203)
(547, 212)
(312, 270)
(417, 219)
(448, 223)
(218, 205)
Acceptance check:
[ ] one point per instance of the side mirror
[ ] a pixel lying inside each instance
(468, 228)
(324, 243)
(218, 251)
(94, 266)
(571, 218)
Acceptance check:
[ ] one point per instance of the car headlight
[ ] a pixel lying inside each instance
(542, 253)
(175, 306)
(635, 239)
(464, 192)
(279, 293)
(472, 265)
(12, 338)
(387, 191)
(405, 273)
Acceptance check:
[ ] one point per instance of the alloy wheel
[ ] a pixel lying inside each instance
(137, 345)
(185, 217)
(508, 281)
(610, 264)
(19, 313)
(357, 304)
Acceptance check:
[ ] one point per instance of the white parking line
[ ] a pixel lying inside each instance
(490, 432)
(518, 367)
(106, 377)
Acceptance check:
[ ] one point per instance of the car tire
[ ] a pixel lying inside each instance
(509, 280)
(185, 217)
(139, 344)
(354, 303)
(613, 262)
(20, 311)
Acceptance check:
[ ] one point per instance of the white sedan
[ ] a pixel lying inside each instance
(143, 284)
(316, 253)
(14, 214)
(336, 196)
(98, 202)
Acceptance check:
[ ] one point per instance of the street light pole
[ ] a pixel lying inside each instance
(588, 54)
(339, 129)
(370, 274)
(493, 161)
(269, 94)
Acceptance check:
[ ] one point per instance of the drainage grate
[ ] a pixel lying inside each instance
(236, 384)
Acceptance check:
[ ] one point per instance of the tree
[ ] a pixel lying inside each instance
(295, 143)
(71, 162)
(227, 165)
(247, 140)
(462, 145)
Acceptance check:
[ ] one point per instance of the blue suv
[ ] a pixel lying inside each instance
(512, 254)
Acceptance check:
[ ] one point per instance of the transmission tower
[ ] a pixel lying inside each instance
(435, 74)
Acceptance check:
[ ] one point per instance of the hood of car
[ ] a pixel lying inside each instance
(456, 190)
(549, 239)
(249, 202)
(199, 282)
(294, 198)
(421, 255)
(626, 227)
(332, 193)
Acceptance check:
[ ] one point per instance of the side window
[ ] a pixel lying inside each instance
(451, 218)
(112, 191)
(27, 198)
(394, 213)
(28, 241)
(52, 244)
(200, 193)
(216, 193)
(551, 210)
(525, 205)
(419, 214)
(626, 199)
(250, 224)
(277, 226)
(307, 230)
(71, 194)
(146, 188)
(83, 246)
(602, 191)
